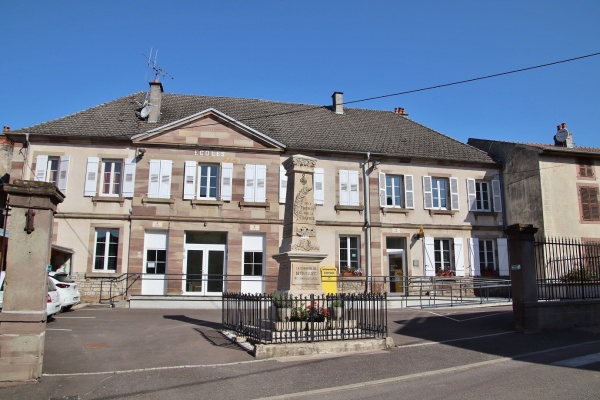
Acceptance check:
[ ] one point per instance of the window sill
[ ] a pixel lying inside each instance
(442, 212)
(151, 200)
(395, 210)
(214, 203)
(101, 274)
(339, 207)
(478, 214)
(108, 199)
(254, 204)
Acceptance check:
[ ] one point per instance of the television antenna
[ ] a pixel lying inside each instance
(157, 70)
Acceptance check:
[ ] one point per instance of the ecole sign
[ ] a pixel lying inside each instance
(209, 153)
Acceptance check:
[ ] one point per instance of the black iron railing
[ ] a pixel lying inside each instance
(567, 269)
(277, 318)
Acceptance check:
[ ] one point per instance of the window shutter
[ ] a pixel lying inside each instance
(63, 173)
(382, 192)
(154, 179)
(226, 177)
(165, 179)
(260, 192)
(129, 177)
(41, 166)
(429, 255)
(91, 176)
(474, 256)
(409, 192)
(189, 180)
(353, 181)
(471, 194)
(502, 244)
(454, 205)
(282, 184)
(497, 194)
(319, 178)
(249, 182)
(427, 194)
(344, 188)
(459, 257)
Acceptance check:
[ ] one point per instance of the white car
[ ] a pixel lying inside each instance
(67, 290)
(52, 297)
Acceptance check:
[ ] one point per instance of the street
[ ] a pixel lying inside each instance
(466, 353)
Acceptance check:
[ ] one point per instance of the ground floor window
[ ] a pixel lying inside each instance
(106, 250)
(443, 256)
(487, 257)
(349, 256)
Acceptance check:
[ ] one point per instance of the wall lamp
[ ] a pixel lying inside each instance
(420, 234)
(141, 153)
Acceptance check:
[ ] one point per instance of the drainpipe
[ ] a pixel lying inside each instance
(366, 198)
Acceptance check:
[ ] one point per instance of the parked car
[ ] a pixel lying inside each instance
(67, 290)
(53, 299)
(53, 305)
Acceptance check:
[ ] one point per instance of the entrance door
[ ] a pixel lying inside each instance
(204, 269)
(155, 264)
(253, 264)
(397, 269)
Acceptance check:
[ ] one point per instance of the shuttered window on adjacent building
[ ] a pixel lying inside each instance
(588, 198)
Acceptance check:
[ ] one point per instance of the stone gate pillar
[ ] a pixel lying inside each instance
(522, 274)
(23, 316)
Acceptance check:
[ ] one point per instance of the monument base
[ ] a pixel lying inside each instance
(299, 273)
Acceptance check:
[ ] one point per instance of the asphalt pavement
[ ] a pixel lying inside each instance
(86, 346)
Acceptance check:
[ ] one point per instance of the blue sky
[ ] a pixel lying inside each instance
(61, 57)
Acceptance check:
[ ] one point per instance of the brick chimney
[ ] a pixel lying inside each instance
(338, 102)
(400, 111)
(155, 100)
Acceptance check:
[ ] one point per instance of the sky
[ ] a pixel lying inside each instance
(61, 57)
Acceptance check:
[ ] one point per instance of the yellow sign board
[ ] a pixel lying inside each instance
(329, 279)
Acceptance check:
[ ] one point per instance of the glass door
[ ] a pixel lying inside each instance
(397, 271)
(205, 269)
(193, 271)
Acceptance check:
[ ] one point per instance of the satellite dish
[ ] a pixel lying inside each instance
(145, 111)
(561, 135)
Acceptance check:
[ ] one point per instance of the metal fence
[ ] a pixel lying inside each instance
(278, 318)
(567, 269)
(441, 291)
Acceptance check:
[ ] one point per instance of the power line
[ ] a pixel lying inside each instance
(474, 79)
(424, 89)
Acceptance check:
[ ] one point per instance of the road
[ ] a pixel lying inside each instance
(179, 354)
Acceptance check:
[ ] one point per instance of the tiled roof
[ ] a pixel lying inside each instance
(297, 126)
(564, 149)
(540, 146)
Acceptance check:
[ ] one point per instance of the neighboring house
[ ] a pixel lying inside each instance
(192, 189)
(552, 186)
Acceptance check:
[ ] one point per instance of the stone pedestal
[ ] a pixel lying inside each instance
(299, 256)
(23, 316)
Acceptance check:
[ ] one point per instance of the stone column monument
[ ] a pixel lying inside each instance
(299, 255)
(23, 316)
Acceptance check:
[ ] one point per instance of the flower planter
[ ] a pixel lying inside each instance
(284, 314)
(337, 312)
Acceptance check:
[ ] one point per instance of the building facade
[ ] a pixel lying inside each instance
(186, 194)
(554, 187)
